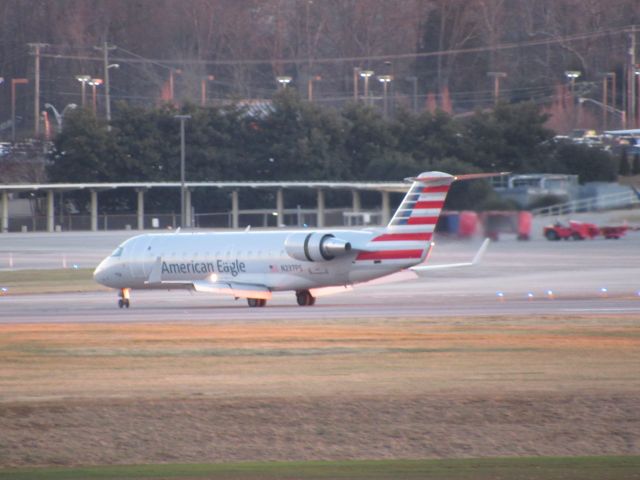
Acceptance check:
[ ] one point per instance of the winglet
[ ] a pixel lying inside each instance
(421, 270)
(480, 252)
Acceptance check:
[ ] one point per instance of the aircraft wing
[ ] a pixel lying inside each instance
(422, 270)
(236, 289)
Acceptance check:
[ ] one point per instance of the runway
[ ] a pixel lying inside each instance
(535, 278)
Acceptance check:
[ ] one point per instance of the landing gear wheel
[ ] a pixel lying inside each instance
(304, 298)
(123, 300)
(256, 302)
(123, 303)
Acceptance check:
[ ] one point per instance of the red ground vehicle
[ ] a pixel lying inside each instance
(613, 232)
(575, 231)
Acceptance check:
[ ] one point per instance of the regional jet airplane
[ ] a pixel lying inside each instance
(309, 262)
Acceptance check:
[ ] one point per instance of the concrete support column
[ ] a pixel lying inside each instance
(320, 208)
(5, 212)
(94, 211)
(355, 194)
(280, 206)
(50, 211)
(140, 208)
(187, 208)
(386, 214)
(235, 209)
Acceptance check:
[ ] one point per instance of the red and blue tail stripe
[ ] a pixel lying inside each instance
(409, 233)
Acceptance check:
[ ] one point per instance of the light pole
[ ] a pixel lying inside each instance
(182, 118)
(107, 95)
(356, 72)
(366, 74)
(203, 88)
(83, 79)
(605, 96)
(313, 78)
(622, 113)
(572, 75)
(636, 73)
(172, 73)
(385, 80)
(283, 80)
(414, 81)
(496, 84)
(94, 82)
(60, 116)
(14, 82)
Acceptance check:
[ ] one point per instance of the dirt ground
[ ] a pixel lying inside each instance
(398, 388)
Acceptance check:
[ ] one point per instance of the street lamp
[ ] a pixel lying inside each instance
(366, 74)
(283, 80)
(572, 75)
(203, 88)
(183, 219)
(496, 84)
(385, 80)
(14, 82)
(94, 82)
(622, 113)
(60, 116)
(83, 79)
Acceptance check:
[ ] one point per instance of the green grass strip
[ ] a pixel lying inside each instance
(48, 281)
(528, 468)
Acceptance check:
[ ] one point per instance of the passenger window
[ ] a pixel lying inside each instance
(117, 252)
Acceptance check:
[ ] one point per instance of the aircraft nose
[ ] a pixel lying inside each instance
(100, 273)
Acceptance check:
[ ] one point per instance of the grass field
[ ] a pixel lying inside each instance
(551, 468)
(149, 394)
(48, 281)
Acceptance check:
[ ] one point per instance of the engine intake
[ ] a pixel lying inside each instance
(315, 247)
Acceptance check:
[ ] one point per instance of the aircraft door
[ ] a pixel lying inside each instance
(138, 258)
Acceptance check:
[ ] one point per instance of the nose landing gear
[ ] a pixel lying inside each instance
(123, 300)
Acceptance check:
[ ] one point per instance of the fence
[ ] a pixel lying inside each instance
(602, 202)
(299, 217)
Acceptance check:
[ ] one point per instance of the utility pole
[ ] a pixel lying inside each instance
(105, 58)
(631, 67)
(183, 215)
(496, 84)
(35, 50)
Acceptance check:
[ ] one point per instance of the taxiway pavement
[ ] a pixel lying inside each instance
(599, 277)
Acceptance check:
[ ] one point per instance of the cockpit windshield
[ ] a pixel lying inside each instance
(117, 252)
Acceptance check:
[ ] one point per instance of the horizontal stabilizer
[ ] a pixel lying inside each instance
(422, 270)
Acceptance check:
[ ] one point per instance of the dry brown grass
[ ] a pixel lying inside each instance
(101, 393)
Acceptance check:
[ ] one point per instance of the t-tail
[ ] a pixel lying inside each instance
(407, 237)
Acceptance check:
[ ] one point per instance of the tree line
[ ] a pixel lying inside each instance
(239, 47)
(297, 140)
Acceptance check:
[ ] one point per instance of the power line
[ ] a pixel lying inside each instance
(167, 63)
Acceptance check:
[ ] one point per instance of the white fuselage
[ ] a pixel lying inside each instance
(254, 258)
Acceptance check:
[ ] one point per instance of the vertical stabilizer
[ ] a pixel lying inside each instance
(409, 233)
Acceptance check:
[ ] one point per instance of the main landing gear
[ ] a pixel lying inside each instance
(256, 302)
(123, 300)
(305, 299)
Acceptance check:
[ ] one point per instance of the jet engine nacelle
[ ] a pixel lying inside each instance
(315, 246)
